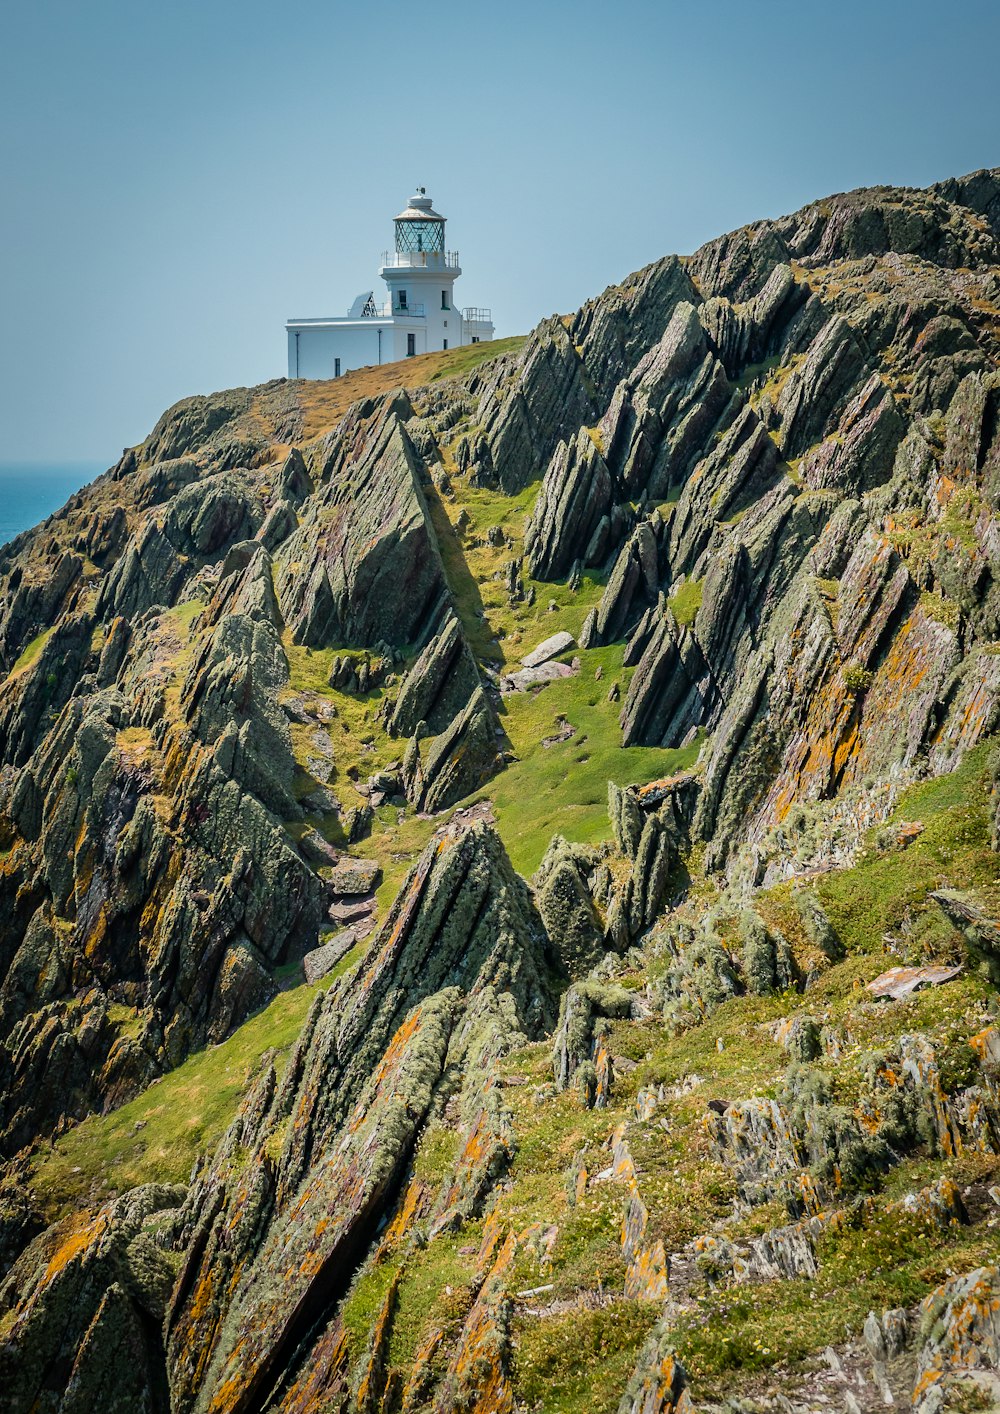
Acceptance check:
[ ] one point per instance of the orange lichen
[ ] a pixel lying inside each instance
(82, 1232)
(413, 1204)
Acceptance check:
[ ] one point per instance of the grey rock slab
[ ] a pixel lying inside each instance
(353, 909)
(525, 678)
(321, 801)
(320, 961)
(548, 648)
(317, 850)
(355, 876)
(899, 982)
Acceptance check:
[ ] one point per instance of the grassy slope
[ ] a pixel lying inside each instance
(30, 652)
(158, 1135)
(562, 787)
(324, 401)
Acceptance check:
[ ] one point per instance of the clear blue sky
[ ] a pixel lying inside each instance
(179, 178)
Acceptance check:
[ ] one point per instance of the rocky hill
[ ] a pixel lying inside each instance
(499, 901)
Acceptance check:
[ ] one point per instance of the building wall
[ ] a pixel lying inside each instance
(312, 350)
(477, 332)
(424, 287)
(355, 344)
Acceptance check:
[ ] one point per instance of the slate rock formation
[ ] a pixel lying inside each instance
(531, 1137)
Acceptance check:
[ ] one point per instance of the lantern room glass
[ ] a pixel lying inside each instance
(420, 236)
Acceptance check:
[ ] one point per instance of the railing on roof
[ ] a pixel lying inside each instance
(476, 314)
(420, 259)
(388, 310)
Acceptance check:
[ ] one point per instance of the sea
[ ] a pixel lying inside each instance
(30, 491)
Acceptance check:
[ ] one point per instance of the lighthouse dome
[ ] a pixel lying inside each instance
(419, 208)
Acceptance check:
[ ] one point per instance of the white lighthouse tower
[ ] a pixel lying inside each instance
(420, 315)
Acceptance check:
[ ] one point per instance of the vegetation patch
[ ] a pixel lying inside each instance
(324, 402)
(156, 1137)
(581, 1359)
(563, 787)
(894, 1260)
(29, 653)
(687, 601)
(887, 893)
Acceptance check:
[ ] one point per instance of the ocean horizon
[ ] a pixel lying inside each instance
(31, 491)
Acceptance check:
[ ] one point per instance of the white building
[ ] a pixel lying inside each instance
(419, 316)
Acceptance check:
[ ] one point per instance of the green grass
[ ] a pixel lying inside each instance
(953, 536)
(357, 737)
(735, 1336)
(895, 1260)
(31, 652)
(501, 631)
(581, 1359)
(435, 1289)
(563, 788)
(464, 360)
(753, 371)
(465, 590)
(185, 614)
(886, 892)
(435, 1158)
(471, 568)
(364, 1300)
(941, 608)
(687, 601)
(157, 1136)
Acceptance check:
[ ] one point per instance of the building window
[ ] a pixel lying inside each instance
(402, 299)
(475, 340)
(446, 343)
(336, 368)
(444, 299)
(411, 345)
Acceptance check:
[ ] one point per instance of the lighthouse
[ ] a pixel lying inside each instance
(419, 316)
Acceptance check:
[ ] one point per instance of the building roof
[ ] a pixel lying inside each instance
(419, 208)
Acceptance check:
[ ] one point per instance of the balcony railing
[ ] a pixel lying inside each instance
(387, 310)
(420, 259)
(476, 314)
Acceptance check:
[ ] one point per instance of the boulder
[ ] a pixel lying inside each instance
(319, 961)
(350, 877)
(548, 648)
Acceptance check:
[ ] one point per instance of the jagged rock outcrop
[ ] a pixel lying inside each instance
(565, 900)
(760, 489)
(458, 761)
(91, 1294)
(577, 493)
(440, 682)
(962, 1324)
(651, 826)
(456, 974)
(633, 584)
(364, 568)
(526, 409)
(578, 1057)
